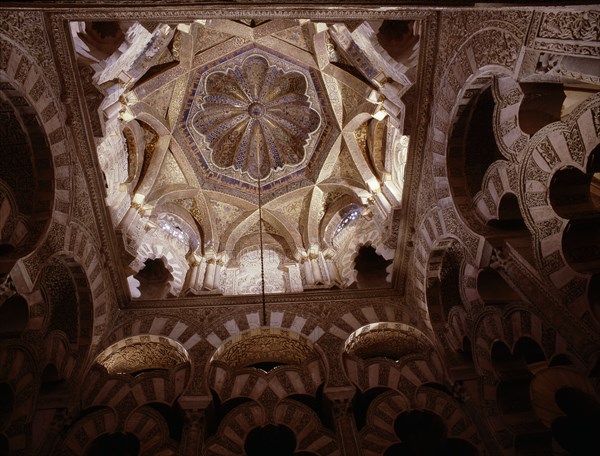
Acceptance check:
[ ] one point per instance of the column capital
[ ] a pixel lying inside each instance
(341, 398)
(194, 402)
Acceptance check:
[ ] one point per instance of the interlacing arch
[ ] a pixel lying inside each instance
(509, 137)
(308, 433)
(58, 354)
(84, 431)
(349, 243)
(509, 341)
(71, 302)
(263, 361)
(402, 364)
(149, 249)
(251, 382)
(552, 149)
(26, 203)
(102, 428)
(45, 116)
(120, 391)
(504, 205)
(391, 411)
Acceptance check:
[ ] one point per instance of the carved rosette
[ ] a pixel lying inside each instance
(256, 114)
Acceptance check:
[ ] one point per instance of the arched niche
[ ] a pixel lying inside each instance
(218, 410)
(512, 393)
(269, 440)
(278, 244)
(493, 289)
(581, 245)
(265, 347)
(53, 389)
(154, 279)
(509, 226)
(560, 359)
(371, 268)
(180, 226)
(548, 382)
(472, 147)
(577, 430)
(444, 278)
(466, 351)
(118, 443)
(14, 315)
(545, 103)
(541, 105)
(7, 403)
(144, 353)
(61, 293)
(96, 40)
(575, 195)
(26, 177)
(424, 432)
(253, 264)
(362, 400)
(569, 406)
(509, 214)
(340, 214)
(516, 371)
(291, 429)
(51, 379)
(594, 295)
(173, 416)
(461, 366)
(66, 289)
(531, 353)
(399, 39)
(133, 140)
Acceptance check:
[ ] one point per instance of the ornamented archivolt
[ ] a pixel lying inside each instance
(256, 114)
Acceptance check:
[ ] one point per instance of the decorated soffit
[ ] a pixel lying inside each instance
(204, 120)
(265, 345)
(141, 353)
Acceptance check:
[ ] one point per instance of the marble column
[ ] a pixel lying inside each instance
(209, 276)
(194, 280)
(332, 269)
(316, 269)
(194, 408)
(308, 272)
(345, 425)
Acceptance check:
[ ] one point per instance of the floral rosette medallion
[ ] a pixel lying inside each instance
(256, 117)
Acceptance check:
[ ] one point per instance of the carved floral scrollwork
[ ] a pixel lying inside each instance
(265, 345)
(142, 355)
(584, 26)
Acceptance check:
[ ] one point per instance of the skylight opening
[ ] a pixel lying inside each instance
(350, 217)
(174, 231)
